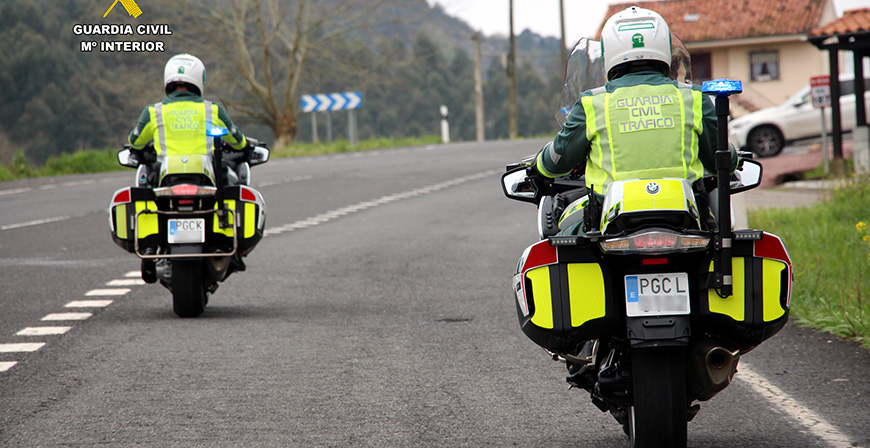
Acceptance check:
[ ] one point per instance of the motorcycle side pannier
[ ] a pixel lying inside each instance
(124, 223)
(561, 303)
(250, 210)
(759, 306)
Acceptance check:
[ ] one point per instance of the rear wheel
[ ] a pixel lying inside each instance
(659, 415)
(188, 291)
(766, 141)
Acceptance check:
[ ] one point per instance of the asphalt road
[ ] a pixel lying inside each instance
(389, 322)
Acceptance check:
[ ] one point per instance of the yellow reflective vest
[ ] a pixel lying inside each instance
(639, 126)
(178, 126)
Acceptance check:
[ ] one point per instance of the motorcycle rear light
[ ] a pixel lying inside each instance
(655, 242)
(655, 261)
(185, 202)
(185, 190)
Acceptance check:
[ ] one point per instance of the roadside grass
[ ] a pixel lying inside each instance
(97, 161)
(79, 162)
(829, 244)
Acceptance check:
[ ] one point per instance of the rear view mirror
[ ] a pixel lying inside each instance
(749, 175)
(516, 185)
(259, 155)
(127, 158)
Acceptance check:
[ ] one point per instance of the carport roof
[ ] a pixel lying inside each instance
(718, 20)
(854, 22)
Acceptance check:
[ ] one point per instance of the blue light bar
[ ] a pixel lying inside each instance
(216, 131)
(722, 87)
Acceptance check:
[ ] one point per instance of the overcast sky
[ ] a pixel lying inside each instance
(582, 17)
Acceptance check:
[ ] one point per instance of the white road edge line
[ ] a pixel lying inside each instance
(107, 292)
(43, 331)
(799, 413)
(127, 282)
(34, 223)
(66, 316)
(15, 191)
(6, 365)
(88, 304)
(21, 347)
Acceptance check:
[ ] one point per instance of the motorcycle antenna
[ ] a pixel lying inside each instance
(216, 133)
(722, 89)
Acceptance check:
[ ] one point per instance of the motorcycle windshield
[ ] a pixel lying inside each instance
(585, 71)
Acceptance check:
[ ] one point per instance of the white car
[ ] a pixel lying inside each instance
(767, 131)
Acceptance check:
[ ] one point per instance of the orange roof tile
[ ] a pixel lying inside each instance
(856, 21)
(713, 20)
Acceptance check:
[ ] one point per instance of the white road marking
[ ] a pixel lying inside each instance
(800, 414)
(34, 223)
(133, 274)
(107, 292)
(330, 215)
(42, 331)
(66, 316)
(284, 181)
(127, 282)
(6, 365)
(21, 347)
(88, 304)
(15, 191)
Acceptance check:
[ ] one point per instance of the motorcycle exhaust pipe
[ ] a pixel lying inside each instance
(714, 367)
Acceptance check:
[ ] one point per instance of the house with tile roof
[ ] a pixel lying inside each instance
(760, 42)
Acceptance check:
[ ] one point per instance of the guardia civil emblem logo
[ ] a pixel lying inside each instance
(637, 41)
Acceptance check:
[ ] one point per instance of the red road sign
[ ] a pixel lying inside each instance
(820, 89)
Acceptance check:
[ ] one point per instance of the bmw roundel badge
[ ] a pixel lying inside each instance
(653, 188)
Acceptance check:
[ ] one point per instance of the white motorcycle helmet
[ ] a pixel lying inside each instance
(184, 68)
(632, 35)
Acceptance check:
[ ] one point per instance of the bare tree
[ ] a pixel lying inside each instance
(267, 43)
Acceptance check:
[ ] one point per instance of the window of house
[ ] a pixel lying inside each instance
(764, 65)
(702, 67)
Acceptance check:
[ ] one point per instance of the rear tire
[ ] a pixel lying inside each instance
(766, 141)
(659, 415)
(188, 291)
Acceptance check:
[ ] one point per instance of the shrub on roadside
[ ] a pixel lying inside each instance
(82, 162)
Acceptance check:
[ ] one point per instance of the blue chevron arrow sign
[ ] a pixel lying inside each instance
(325, 102)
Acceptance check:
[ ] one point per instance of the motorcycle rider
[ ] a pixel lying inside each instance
(641, 124)
(177, 125)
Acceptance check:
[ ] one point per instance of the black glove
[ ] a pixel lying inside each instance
(539, 180)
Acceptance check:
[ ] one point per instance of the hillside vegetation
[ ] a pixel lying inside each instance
(406, 58)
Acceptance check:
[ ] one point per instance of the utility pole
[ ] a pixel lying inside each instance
(564, 44)
(478, 90)
(512, 79)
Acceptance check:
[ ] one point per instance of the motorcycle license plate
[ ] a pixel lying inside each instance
(186, 231)
(656, 294)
